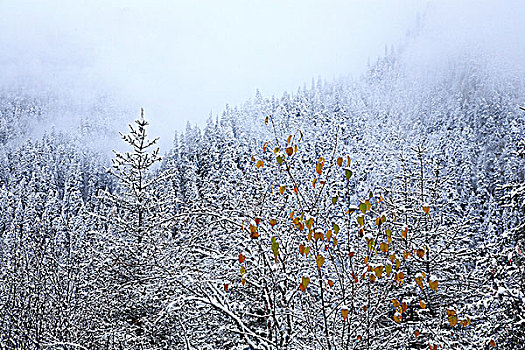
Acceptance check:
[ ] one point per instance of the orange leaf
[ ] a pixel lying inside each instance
(241, 258)
(265, 146)
(313, 182)
(398, 318)
(384, 247)
(340, 161)
(395, 302)
(301, 249)
(420, 252)
(225, 287)
(492, 343)
(319, 166)
(282, 189)
(289, 151)
(243, 281)
(416, 333)
(295, 189)
(273, 222)
(330, 283)
(344, 312)
(404, 232)
(433, 284)
(259, 164)
(422, 304)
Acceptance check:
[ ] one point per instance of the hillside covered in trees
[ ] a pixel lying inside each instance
(369, 213)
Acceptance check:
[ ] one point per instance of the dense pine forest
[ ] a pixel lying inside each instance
(379, 212)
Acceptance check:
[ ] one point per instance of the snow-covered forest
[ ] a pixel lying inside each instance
(384, 211)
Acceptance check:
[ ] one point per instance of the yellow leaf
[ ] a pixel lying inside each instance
(305, 281)
(422, 304)
(388, 269)
(395, 302)
(398, 263)
(419, 281)
(379, 271)
(320, 260)
(452, 318)
(310, 223)
(384, 247)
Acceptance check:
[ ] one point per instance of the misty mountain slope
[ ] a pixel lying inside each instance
(210, 269)
(468, 123)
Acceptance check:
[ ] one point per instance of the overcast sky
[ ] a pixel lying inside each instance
(183, 59)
